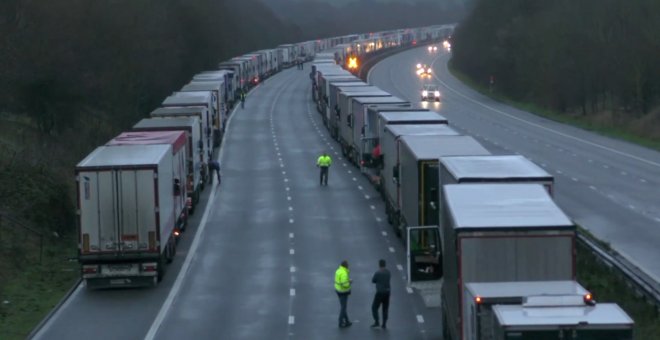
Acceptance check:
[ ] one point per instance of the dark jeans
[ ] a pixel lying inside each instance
(343, 301)
(324, 175)
(384, 299)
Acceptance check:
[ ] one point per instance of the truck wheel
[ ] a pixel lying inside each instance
(161, 269)
(445, 326)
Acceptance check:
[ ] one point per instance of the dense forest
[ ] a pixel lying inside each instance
(597, 60)
(318, 18)
(75, 72)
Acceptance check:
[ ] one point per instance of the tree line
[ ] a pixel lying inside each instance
(76, 72)
(584, 58)
(318, 18)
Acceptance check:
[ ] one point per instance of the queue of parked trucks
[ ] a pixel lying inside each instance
(485, 240)
(135, 193)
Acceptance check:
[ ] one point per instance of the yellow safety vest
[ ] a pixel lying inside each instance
(342, 281)
(324, 161)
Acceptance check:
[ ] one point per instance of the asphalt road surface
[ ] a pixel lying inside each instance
(261, 263)
(607, 186)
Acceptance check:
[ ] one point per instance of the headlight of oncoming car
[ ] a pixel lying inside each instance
(437, 93)
(424, 93)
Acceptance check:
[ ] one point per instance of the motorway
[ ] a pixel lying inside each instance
(258, 260)
(261, 263)
(607, 186)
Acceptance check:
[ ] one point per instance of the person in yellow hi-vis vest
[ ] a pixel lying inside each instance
(324, 163)
(343, 289)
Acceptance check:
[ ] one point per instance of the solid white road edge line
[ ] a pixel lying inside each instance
(174, 291)
(602, 147)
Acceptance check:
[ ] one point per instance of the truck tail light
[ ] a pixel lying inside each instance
(589, 299)
(85, 243)
(177, 233)
(149, 267)
(152, 240)
(477, 299)
(90, 269)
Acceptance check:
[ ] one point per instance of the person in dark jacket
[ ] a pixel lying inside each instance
(214, 166)
(381, 279)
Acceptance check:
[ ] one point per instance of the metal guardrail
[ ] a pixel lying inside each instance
(640, 282)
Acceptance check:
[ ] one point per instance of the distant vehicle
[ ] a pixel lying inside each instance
(446, 44)
(433, 49)
(424, 70)
(430, 92)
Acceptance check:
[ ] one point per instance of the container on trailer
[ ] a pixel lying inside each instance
(323, 90)
(204, 117)
(390, 145)
(345, 121)
(567, 318)
(228, 80)
(195, 153)
(498, 233)
(178, 140)
(493, 169)
(217, 90)
(126, 214)
(363, 142)
(332, 109)
(408, 116)
(419, 176)
(196, 99)
(481, 297)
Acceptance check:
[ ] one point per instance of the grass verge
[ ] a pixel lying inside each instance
(607, 286)
(32, 290)
(578, 121)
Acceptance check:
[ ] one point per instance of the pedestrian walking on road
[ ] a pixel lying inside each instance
(242, 99)
(214, 166)
(381, 279)
(343, 289)
(324, 163)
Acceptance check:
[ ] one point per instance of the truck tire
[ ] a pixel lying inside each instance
(161, 269)
(445, 326)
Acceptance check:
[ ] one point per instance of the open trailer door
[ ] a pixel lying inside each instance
(424, 262)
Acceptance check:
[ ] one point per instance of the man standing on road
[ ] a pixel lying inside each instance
(343, 289)
(382, 280)
(324, 163)
(214, 166)
(242, 95)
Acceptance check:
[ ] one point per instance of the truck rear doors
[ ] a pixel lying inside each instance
(424, 262)
(125, 211)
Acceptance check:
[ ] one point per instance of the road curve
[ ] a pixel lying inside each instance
(608, 186)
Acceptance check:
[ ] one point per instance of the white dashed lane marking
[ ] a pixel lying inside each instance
(399, 267)
(391, 249)
(384, 233)
(291, 220)
(292, 319)
(292, 269)
(291, 235)
(372, 207)
(420, 319)
(592, 187)
(574, 179)
(409, 290)
(292, 292)
(292, 251)
(367, 196)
